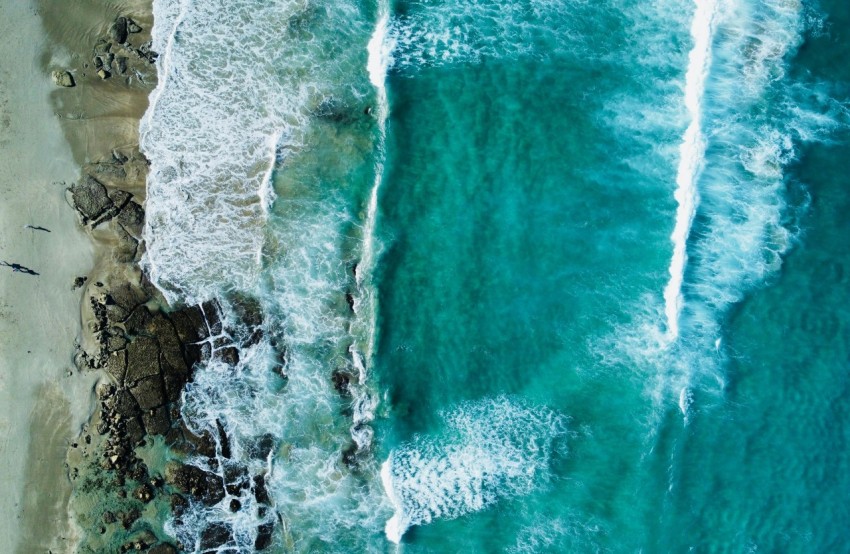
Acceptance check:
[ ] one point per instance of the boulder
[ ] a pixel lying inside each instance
(63, 78)
(90, 198)
(126, 405)
(132, 218)
(195, 482)
(148, 393)
(264, 536)
(215, 535)
(142, 359)
(103, 74)
(116, 365)
(157, 421)
(118, 30)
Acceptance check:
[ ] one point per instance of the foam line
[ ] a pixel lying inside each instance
(691, 158)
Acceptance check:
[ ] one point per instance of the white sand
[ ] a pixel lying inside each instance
(39, 315)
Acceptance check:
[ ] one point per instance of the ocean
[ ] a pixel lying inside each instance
(534, 276)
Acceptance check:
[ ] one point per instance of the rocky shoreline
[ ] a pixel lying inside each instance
(126, 467)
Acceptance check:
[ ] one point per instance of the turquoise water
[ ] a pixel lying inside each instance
(471, 221)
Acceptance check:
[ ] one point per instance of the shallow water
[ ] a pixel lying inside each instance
(580, 264)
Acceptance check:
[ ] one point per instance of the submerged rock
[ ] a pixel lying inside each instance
(195, 482)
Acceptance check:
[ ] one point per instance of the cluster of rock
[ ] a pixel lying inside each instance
(113, 54)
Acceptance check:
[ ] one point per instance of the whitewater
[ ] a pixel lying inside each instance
(476, 260)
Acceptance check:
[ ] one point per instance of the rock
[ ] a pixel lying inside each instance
(160, 327)
(144, 493)
(103, 74)
(264, 536)
(63, 79)
(133, 27)
(222, 439)
(235, 505)
(118, 30)
(117, 340)
(229, 355)
(121, 64)
(102, 46)
(128, 518)
(79, 282)
(261, 493)
(116, 365)
(342, 381)
(142, 359)
(215, 535)
(125, 250)
(138, 321)
(148, 393)
(262, 447)
(135, 432)
(132, 218)
(109, 517)
(195, 481)
(163, 548)
(125, 405)
(90, 198)
(157, 421)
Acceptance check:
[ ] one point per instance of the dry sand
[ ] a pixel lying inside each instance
(46, 134)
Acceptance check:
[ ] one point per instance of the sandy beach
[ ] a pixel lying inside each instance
(46, 134)
(44, 405)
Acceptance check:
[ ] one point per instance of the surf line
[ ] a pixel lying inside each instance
(691, 159)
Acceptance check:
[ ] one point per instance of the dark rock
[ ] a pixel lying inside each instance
(222, 439)
(90, 198)
(118, 30)
(215, 535)
(349, 456)
(229, 355)
(79, 282)
(125, 405)
(263, 446)
(125, 250)
(342, 381)
(63, 79)
(195, 482)
(149, 393)
(116, 340)
(210, 311)
(132, 218)
(261, 493)
(127, 296)
(128, 518)
(143, 493)
(157, 421)
(138, 321)
(174, 383)
(163, 548)
(116, 365)
(118, 197)
(349, 299)
(178, 504)
(135, 431)
(160, 327)
(235, 505)
(142, 359)
(264, 536)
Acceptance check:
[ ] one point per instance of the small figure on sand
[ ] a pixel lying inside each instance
(18, 268)
(36, 228)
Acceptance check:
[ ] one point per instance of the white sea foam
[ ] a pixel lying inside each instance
(691, 157)
(733, 223)
(488, 450)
